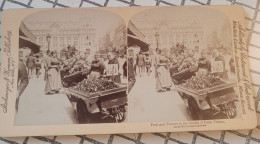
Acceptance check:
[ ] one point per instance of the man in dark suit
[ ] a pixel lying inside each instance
(130, 70)
(22, 81)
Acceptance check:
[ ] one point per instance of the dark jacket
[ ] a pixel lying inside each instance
(141, 60)
(98, 66)
(125, 69)
(131, 74)
(22, 77)
(38, 64)
(30, 63)
(204, 63)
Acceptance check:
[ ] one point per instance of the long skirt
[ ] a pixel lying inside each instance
(163, 79)
(53, 81)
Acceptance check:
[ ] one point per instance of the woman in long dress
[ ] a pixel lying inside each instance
(53, 82)
(163, 79)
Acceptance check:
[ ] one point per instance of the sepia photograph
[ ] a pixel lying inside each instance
(81, 71)
(72, 68)
(181, 66)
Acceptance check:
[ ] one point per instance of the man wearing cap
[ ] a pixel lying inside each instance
(113, 60)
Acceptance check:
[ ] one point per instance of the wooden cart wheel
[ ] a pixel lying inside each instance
(120, 116)
(231, 112)
(194, 109)
(82, 113)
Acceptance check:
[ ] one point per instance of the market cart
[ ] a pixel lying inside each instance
(218, 99)
(111, 103)
(180, 77)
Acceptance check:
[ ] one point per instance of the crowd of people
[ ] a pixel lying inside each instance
(57, 65)
(166, 64)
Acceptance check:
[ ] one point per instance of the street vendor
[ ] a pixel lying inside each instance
(112, 60)
(204, 64)
(97, 67)
(220, 70)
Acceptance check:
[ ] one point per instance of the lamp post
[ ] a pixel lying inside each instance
(48, 38)
(157, 39)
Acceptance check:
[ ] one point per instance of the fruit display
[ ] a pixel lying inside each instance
(184, 67)
(187, 64)
(93, 85)
(78, 69)
(202, 82)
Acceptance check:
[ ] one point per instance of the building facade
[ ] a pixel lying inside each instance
(78, 34)
(188, 32)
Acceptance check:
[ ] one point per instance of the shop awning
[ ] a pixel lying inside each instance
(132, 29)
(136, 38)
(25, 32)
(135, 41)
(26, 42)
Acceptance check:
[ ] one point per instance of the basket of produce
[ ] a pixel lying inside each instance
(204, 84)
